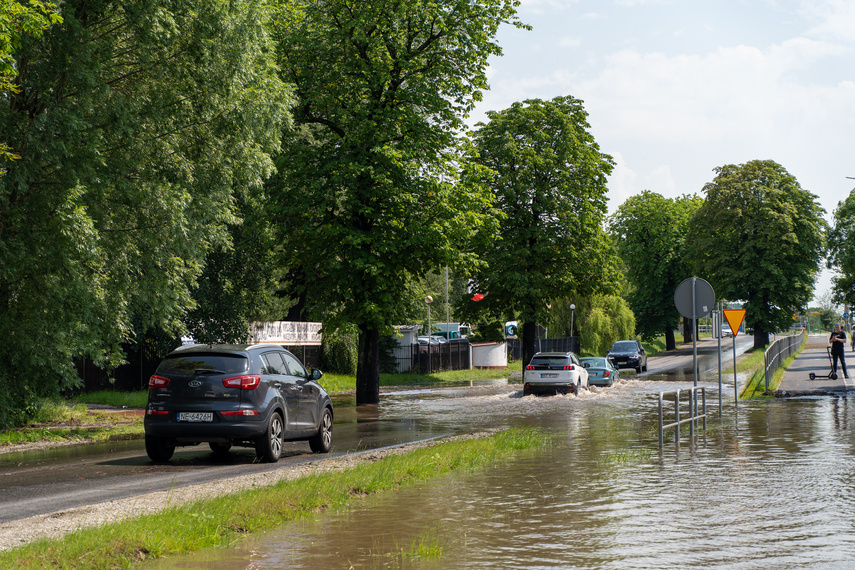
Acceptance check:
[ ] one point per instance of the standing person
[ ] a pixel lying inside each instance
(837, 340)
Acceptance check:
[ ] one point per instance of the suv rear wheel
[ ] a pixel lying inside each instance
(268, 448)
(159, 449)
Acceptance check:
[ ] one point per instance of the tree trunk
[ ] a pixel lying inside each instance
(529, 334)
(687, 330)
(368, 367)
(761, 338)
(670, 341)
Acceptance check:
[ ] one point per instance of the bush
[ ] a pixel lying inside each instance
(339, 352)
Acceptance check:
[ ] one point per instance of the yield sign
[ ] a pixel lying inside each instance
(734, 319)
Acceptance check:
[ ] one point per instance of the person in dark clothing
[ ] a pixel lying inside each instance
(837, 340)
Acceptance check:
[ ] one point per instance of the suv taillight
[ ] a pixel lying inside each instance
(246, 382)
(158, 382)
(529, 367)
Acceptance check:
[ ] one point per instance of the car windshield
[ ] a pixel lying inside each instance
(200, 363)
(624, 347)
(550, 360)
(594, 363)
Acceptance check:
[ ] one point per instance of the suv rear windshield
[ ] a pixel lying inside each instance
(184, 363)
(624, 347)
(550, 361)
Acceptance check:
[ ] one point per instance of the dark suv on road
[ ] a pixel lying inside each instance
(246, 395)
(628, 354)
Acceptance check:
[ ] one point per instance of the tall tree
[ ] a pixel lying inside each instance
(548, 177)
(368, 198)
(759, 237)
(18, 20)
(136, 123)
(649, 232)
(841, 254)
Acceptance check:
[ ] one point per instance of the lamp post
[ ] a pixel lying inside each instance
(572, 314)
(429, 300)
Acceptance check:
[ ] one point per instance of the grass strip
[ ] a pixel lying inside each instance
(221, 521)
(756, 386)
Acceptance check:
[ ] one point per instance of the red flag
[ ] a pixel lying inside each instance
(477, 297)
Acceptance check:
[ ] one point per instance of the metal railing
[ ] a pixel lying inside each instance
(692, 412)
(778, 351)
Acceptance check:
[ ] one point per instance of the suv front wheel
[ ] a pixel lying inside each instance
(268, 447)
(322, 441)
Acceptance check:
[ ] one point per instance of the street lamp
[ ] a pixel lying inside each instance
(572, 314)
(428, 300)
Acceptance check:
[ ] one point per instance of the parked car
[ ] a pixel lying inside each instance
(235, 395)
(628, 354)
(726, 332)
(554, 372)
(601, 372)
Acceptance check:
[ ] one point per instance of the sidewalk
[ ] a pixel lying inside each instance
(814, 358)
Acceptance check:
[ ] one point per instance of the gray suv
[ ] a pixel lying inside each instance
(628, 354)
(235, 395)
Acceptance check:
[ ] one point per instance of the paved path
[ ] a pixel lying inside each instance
(814, 358)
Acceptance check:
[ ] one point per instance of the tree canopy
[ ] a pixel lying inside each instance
(841, 254)
(548, 178)
(369, 197)
(136, 123)
(649, 232)
(759, 237)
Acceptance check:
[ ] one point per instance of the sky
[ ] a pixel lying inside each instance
(676, 88)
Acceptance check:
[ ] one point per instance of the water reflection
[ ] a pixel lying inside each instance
(767, 486)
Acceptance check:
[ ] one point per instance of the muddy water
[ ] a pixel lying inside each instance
(769, 485)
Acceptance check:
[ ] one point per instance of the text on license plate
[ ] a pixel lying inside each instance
(549, 375)
(195, 416)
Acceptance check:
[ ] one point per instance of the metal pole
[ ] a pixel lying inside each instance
(735, 389)
(694, 332)
(661, 431)
(720, 318)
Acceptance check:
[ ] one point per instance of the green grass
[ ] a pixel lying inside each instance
(756, 386)
(135, 399)
(222, 521)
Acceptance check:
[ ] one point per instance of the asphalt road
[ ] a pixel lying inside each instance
(53, 480)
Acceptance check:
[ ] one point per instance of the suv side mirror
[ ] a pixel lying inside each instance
(316, 374)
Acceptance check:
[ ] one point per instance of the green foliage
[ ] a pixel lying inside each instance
(605, 319)
(548, 177)
(338, 351)
(136, 124)
(237, 283)
(369, 199)
(650, 232)
(759, 237)
(18, 20)
(841, 254)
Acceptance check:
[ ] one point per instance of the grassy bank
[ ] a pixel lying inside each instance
(756, 386)
(71, 421)
(222, 521)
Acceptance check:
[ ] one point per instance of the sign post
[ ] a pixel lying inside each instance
(694, 298)
(734, 319)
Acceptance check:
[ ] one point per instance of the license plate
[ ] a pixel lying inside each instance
(549, 375)
(195, 416)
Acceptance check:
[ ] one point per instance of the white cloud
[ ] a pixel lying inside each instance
(837, 19)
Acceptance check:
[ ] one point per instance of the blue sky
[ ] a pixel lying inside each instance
(675, 88)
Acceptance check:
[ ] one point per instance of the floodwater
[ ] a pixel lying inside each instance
(770, 484)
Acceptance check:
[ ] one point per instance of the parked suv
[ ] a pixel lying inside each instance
(246, 395)
(628, 354)
(553, 372)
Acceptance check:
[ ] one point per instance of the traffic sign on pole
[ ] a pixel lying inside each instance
(734, 319)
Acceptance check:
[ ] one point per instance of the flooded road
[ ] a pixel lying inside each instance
(768, 485)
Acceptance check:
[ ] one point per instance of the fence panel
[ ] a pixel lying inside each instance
(778, 352)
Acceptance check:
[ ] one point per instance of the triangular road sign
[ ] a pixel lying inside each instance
(734, 319)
